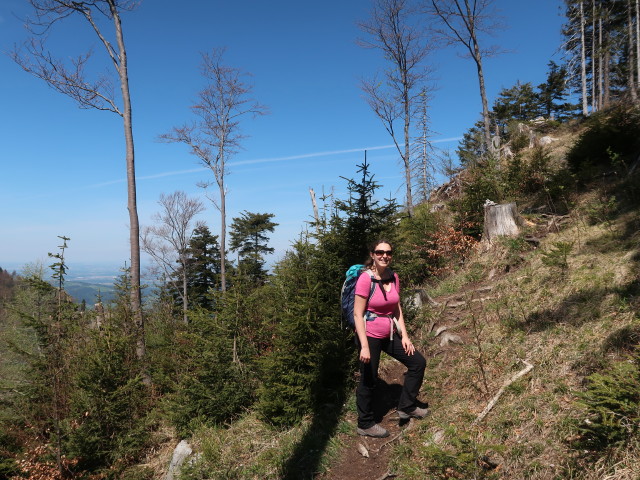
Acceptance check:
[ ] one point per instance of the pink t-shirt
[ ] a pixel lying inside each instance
(380, 327)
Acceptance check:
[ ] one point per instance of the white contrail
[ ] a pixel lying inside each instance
(262, 160)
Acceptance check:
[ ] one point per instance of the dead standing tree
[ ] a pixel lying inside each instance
(215, 136)
(70, 79)
(463, 21)
(167, 242)
(392, 29)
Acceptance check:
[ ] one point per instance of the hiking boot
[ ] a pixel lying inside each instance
(415, 413)
(375, 431)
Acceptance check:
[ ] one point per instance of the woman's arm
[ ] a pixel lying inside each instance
(359, 306)
(409, 349)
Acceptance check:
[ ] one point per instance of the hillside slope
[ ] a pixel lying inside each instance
(542, 383)
(511, 310)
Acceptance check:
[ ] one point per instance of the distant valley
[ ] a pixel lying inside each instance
(84, 282)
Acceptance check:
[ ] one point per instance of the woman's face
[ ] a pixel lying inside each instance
(381, 255)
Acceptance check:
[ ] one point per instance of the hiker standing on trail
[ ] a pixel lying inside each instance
(380, 327)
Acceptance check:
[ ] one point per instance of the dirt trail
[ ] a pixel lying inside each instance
(353, 465)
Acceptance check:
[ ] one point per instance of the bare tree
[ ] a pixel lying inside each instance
(462, 23)
(637, 42)
(583, 61)
(70, 79)
(424, 153)
(215, 136)
(632, 54)
(167, 242)
(392, 29)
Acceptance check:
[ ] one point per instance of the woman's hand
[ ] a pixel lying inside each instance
(409, 349)
(365, 354)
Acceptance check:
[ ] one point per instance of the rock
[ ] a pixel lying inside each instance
(440, 330)
(362, 450)
(450, 338)
(436, 439)
(181, 452)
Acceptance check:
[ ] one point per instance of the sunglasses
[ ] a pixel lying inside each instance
(383, 252)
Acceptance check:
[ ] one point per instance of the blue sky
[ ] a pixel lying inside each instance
(63, 169)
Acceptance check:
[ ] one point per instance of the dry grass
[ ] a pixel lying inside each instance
(561, 322)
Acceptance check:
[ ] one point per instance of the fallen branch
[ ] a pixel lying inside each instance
(494, 400)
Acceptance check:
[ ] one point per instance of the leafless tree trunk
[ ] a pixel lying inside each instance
(463, 21)
(594, 73)
(632, 57)
(606, 101)
(69, 78)
(316, 215)
(583, 62)
(600, 65)
(168, 241)
(425, 164)
(637, 39)
(216, 136)
(402, 43)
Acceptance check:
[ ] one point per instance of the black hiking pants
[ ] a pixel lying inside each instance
(415, 364)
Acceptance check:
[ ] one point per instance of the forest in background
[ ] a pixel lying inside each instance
(93, 392)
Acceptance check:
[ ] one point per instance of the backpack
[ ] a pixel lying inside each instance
(348, 293)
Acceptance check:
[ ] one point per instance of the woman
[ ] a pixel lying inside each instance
(375, 319)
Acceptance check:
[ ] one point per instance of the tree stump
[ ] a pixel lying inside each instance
(500, 220)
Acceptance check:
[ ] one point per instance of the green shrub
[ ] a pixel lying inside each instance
(411, 259)
(108, 405)
(484, 182)
(558, 256)
(462, 456)
(517, 136)
(213, 386)
(612, 404)
(609, 140)
(307, 369)
(601, 210)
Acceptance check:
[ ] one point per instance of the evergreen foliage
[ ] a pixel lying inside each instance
(204, 267)
(249, 238)
(274, 342)
(472, 146)
(553, 92)
(411, 261)
(359, 220)
(311, 357)
(484, 182)
(108, 405)
(211, 388)
(612, 404)
(306, 367)
(519, 102)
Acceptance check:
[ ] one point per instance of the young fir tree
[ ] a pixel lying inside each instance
(308, 367)
(107, 423)
(519, 102)
(553, 92)
(249, 238)
(211, 387)
(360, 219)
(203, 276)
